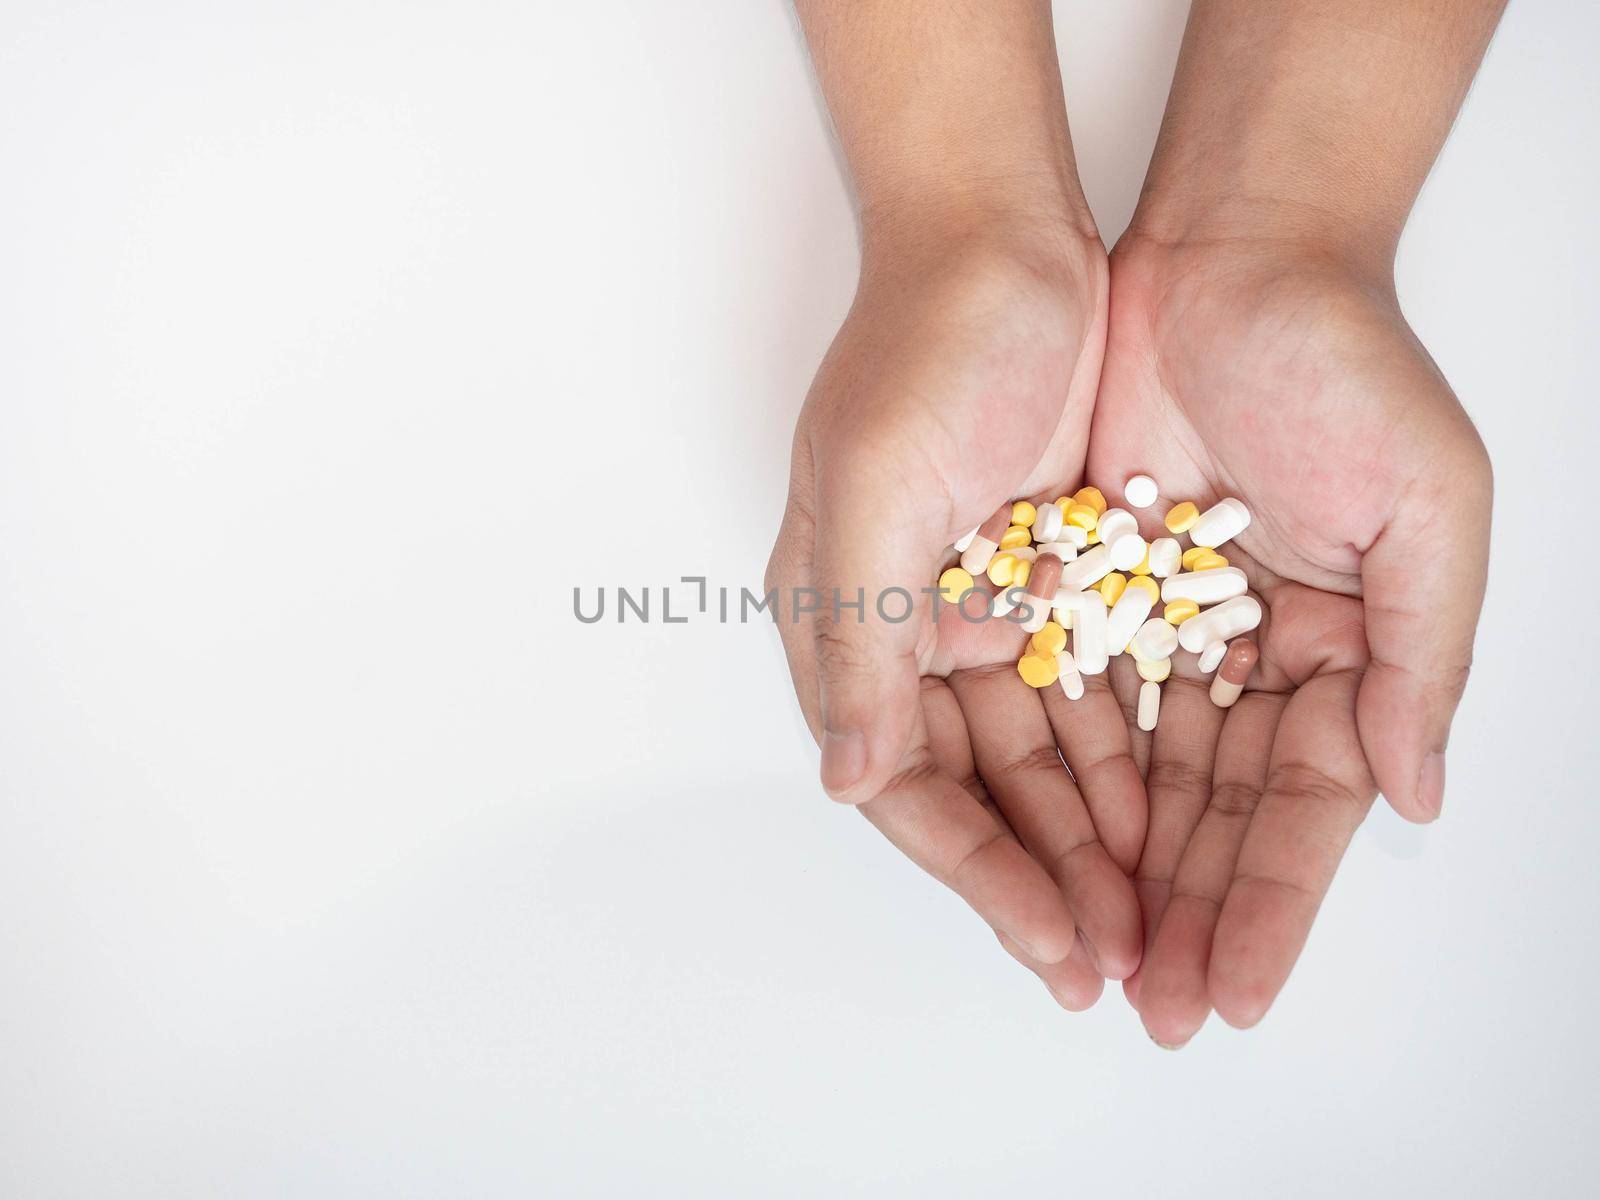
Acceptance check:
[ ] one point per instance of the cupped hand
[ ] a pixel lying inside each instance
(963, 376)
(1284, 379)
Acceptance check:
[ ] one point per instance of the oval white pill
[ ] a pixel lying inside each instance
(1212, 655)
(1088, 568)
(1157, 638)
(1149, 705)
(1089, 635)
(1228, 619)
(1070, 679)
(1205, 587)
(1223, 521)
(1127, 614)
(1140, 491)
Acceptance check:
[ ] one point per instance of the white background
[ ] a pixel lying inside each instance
(340, 341)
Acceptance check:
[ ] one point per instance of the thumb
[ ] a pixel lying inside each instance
(874, 552)
(1422, 589)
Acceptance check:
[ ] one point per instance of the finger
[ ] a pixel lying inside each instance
(1073, 981)
(949, 834)
(1015, 752)
(870, 540)
(1092, 733)
(789, 569)
(1123, 674)
(1173, 999)
(1318, 790)
(1422, 587)
(1182, 751)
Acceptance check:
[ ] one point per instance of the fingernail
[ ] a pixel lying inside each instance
(844, 760)
(1430, 783)
(1170, 1045)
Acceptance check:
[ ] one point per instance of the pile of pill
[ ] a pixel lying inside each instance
(1077, 566)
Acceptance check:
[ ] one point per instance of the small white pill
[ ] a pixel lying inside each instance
(1166, 557)
(1228, 619)
(1075, 534)
(1157, 638)
(1127, 552)
(1115, 522)
(1089, 635)
(1149, 704)
(1023, 553)
(1140, 491)
(1205, 587)
(1223, 521)
(1129, 612)
(1005, 600)
(1088, 568)
(1071, 681)
(1212, 655)
(1047, 523)
(965, 540)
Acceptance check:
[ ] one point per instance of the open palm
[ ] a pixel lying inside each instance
(1300, 390)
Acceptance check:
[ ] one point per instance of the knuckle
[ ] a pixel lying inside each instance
(1180, 776)
(1043, 757)
(1302, 783)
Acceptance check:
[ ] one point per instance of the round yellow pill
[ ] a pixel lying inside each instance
(1021, 573)
(1093, 497)
(1093, 539)
(1051, 639)
(1038, 672)
(1193, 553)
(1144, 563)
(1209, 561)
(1154, 670)
(954, 584)
(1000, 568)
(1023, 513)
(1014, 537)
(1180, 611)
(1181, 516)
(1133, 650)
(1083, 517)
(1111, 587)
(1148, 584)
(1063, 502)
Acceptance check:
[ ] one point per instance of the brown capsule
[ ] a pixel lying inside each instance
(1042, 583)
(1236, 666)
(995, 527)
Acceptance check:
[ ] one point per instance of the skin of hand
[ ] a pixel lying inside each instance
(956, 382)
(1256, 349)
(964, 375)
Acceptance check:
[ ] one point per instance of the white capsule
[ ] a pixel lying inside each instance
(1129, 612)
(975, 558)
(1047, 523)
(1157, 638)
(1212, 655)
(1128, 551)
(1071, 681)
(1228, 619)
(1166, 557)
(1223, 521)
(1140, 491)
(1149, 704)
(1114, 523)
(1089, 635)
(1088, 568)
(1205, 587)
(965, 540)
